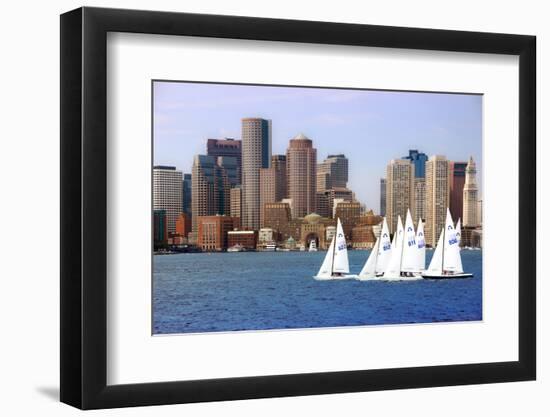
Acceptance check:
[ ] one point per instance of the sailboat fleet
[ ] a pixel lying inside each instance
(400, 259)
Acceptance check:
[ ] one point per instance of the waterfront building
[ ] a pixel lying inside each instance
(456, 188)
(212, 232)
(256, 154)
(226, 147)
(419, 160)
(349, 213)
(301, 159)
(183, 225)
(160, 232)
(245, 238)
(277, 216)
(272, 183)
(470, 195)
(382, 196)
(235, 196)
(365, 231)
(187, 194)
(332, 172)
(437, 197)
(419, 199)
(167, 193)
(266, 235)
(399, 191)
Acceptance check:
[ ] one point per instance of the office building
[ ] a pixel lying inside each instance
(437, 197)
(272, 183)
(256, 154)
(418, 159)
(332, 172)
(212, 232)
(382, 196)
(226, 147)
(301, 160)
(167, 193)
(399, 191)
(456, 188)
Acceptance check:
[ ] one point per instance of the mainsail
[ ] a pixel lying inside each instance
(340, 263)
(336, 260)
(421, 248)
(458, 230)
(369, 270)
(393, 270)
(409, 260)
(384, 249)
(436, 264)
(451, 250)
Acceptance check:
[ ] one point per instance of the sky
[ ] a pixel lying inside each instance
(370, 127)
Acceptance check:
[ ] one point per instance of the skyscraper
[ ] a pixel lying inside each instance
(236, 202)
(167, 193)
(332, 172)
(186, 194)
(301, 161)
(419, 199)
(470, 197)
(212, 180)
(256, 154)
(419, 160)
(204, 189)
(226, 147)
(437, 197)
(382, 196)
(399, 191)
(456, 188)
(272, 183)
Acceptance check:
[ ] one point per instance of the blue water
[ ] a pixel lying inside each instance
(275, 290)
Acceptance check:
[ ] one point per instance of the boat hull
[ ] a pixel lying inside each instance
(334, 278)
(453, 276)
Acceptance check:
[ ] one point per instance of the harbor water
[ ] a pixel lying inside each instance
(212, 292)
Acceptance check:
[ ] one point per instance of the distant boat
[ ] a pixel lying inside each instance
(379, 256)
(312, 246)
(236, 248)
(446, 261)
(336, 265)
(270, 247)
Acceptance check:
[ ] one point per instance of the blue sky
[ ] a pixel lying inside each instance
(369, 127)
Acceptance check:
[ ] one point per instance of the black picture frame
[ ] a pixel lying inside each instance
(84, 207)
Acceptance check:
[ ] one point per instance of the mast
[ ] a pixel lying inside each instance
(443, 248)
(334, 249)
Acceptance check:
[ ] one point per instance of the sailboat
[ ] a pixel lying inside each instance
(312, 246)
(403, 264)
(446, 261)
(336, 264)
(379, 256)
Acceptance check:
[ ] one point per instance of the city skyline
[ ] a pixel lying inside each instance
(449, 124)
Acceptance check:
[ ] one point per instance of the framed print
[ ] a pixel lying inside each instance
(257, 208)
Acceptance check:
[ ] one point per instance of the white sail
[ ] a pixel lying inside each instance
(340, 263)
(325, 272)
(458, 230)
(393, 270)
(451, 251)
(409, 261)
(420, 247)
(384, 249)
(369, 269)
(312, 246)
(436, 264)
